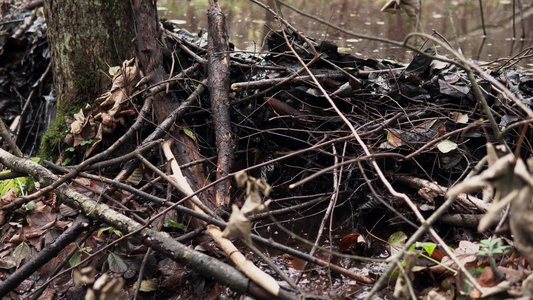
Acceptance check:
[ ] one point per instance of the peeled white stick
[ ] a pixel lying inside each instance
(247, 267)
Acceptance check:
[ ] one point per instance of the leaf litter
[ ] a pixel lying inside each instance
(422, 120)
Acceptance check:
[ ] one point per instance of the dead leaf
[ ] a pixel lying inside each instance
(446, 146)
(105, 288)
(21, 252)
(487, 278)
(238, 225)
(77, 124)
(148, 285)
(83, 276)
(459, 118)
(393, 137)
(428, 194)
(411, 7)
(7, 263)
(401, 290)
(354, 240)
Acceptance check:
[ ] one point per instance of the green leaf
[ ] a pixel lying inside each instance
(70, 149)
(66, 161)
(75, 259)
(102, 230)
(20, 184)
(189, 133)
(36, 159)
(6, 185)
(429, 247)
(172, 224)
(30, 205)
(27, 184)
(116, 263)
(111, 231)
(488, 243)
(397, 239)
(86, 142)
(500, 249)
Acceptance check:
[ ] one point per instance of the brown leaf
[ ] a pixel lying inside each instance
(349, 240)
(238, 226)
(438, 254)
(393, 137)
(487, 278)
(173, 273)
(411, 7)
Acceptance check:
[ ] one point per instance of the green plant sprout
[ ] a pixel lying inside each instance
(489, 245)
(111, 230)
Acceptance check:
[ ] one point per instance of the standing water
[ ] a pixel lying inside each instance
(248, 24)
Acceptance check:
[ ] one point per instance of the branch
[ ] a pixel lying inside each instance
(219, 63)
(159, 241)
(43, 257)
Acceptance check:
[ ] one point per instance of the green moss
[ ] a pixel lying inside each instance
(53, 142)
(54, 139)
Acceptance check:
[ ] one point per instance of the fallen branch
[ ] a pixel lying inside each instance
(159, 241)
(465, 199)
(43, 257)
(261, 278)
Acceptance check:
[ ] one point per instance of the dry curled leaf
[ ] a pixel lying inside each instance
(239, 223)
(411, 7)
(238, 226)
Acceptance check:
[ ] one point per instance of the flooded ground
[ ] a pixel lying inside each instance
(248, 24)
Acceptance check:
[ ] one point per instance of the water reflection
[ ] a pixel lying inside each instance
(248, 24)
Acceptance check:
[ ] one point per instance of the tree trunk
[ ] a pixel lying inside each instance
(86, 38)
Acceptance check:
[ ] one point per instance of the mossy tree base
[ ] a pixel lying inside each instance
(86, 38)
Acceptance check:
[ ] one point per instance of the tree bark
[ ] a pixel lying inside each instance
(151, 61)
(219, 86)
(86, 38)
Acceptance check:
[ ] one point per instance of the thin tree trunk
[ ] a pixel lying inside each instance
(219, 86)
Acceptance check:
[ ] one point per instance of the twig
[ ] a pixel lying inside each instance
(327, 214)
(187, 192)
(482, 17)
(37, 293)
(384, 180)
(141, 273)
(4, 133)
(36, 85)
(159, 241)
(99, 157)
(419, 183)
(254, 273)
(44, 256)
(264, 83)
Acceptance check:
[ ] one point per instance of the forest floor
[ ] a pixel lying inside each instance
(361, 177)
